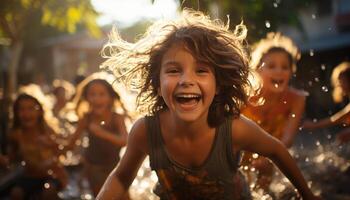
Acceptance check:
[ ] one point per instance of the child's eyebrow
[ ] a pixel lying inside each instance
(172, 63)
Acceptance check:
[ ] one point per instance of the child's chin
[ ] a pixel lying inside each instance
(277, 89)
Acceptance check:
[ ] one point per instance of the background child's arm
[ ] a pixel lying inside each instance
(337, 118)
(118, 140)
(82, 125)
(121, 178)
(344, 136)
(246, 135)
(293, 122)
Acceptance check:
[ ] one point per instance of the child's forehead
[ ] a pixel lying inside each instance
(178, 52)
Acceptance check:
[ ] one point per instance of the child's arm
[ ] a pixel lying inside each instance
(337, 118)
(118, 140)
(344, 136)
(293, 122)
(246, 135)
(82, 125)
(122, 176)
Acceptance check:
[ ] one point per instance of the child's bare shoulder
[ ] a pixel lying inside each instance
(138, 134)
(297, 93)
(242, 131)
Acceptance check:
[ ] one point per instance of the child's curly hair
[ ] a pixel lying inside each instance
(275, 42)
(210, 41)
(343, 69)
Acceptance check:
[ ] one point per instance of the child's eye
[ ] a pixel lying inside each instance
(172, 71)
(203, 70)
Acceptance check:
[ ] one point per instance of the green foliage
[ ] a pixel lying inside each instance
(19, 18)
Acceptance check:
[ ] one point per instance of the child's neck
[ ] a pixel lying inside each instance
(102, 116)
(184, 129)
(273, 96)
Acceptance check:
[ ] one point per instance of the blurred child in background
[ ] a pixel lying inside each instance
(106, 129)
(340, 80)
(31, 144)
(281, 107)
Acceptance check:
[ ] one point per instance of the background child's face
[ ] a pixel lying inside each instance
(186, 85)
(344, 84)
(29, 113)
(99, 99)
(275, 71)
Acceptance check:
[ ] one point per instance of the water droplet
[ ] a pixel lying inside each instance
(310, 83)
(245, 167)
(23, 163)
(263, 64)
(275, 5)
(309, 183)
(49, 172)
(300, 128)
(329, 136)
(293, 115)
(252, 169)
(313, 16)
(284, 102)
(316, 79)
(314, 120)
(255, 155)
(276, 85)
(307, 159)
(324, 89)
(47, 185)
(311, 52)
(267, 24)
(102, 123)
(323, 67)
(318, 143)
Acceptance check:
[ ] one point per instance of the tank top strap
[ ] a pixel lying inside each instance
(156, 152)
(225, 132)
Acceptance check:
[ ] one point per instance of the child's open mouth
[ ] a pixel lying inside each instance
(277, 83)
(188, 99)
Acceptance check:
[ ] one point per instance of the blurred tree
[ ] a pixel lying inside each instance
(24, 22)
(260, 16)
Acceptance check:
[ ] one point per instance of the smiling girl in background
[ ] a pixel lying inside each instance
(105, 129)
(279, 114)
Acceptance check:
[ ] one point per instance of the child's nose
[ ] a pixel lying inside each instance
(186, 79)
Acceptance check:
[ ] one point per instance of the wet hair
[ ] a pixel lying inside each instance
(82, 105)
(275, 42)
(17, 124)
(209, 41)
(343, 69)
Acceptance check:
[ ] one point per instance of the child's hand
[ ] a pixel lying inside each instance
(263, 165)
(343, 137)
(95, 128)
